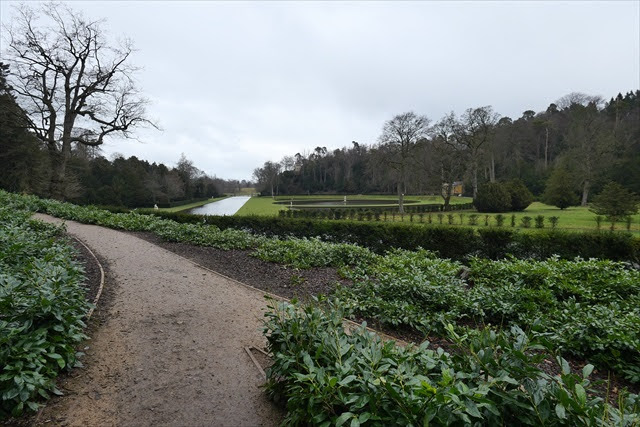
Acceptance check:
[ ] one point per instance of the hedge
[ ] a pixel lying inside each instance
(449, 242)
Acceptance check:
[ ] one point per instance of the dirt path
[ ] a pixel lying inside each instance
(170, 349)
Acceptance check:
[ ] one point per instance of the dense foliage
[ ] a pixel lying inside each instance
(449, 242)
(615, 202)
(42, 306)
(521, 197)
(493, 197)
(326, 376)
(593, 141)
(559, 190)
(586, 308)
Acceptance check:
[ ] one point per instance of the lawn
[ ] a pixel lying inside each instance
(575, 218)
(260, 206)
(192, 205)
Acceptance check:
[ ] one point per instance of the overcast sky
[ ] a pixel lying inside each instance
(234, 84)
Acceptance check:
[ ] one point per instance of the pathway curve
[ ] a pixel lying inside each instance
(170, 351)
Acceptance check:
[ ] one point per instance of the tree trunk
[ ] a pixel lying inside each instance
(474, 178)
(492, 169)
(400, 198)
(546, 147)
(58, 159)
(585, 192)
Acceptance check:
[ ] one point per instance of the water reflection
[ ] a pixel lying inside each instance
(228, 206)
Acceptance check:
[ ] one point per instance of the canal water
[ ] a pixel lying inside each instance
(227, 206)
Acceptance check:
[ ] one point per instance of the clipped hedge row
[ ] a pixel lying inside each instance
(449, 242)
(408, 208)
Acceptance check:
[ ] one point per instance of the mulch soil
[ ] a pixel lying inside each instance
(276, 279)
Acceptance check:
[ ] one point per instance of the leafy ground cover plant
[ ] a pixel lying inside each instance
(42, 306)
(326, 376)
(587, 308)
(306, 253)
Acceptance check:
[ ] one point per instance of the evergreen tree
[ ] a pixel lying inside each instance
(615, 202)
(521, 197)
(559, 191)
(492, 197)
(23, 162)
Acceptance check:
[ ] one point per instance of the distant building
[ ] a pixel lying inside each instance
(458, 188)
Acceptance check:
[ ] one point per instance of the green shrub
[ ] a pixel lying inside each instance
(499, 220)
(521, 197)
(525, 221)
(559, 191)
(328, 376)
(615, 202)
(492, 197)
(539, 221)
(42, 306)
(450, 242)
(554, 221)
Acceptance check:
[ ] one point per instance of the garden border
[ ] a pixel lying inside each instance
(101, 286)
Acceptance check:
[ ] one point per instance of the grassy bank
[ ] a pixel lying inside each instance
(182, 208)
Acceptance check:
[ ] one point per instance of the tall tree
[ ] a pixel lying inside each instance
(74, 86)
(590, 145)
(449, 157)
(475, 130)
(399, 137)
(23, 162)
(267, 177)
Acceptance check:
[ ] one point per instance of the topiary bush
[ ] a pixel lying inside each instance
(521, 197)
(492, 197)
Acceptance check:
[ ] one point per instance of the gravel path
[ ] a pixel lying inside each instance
(170, 349)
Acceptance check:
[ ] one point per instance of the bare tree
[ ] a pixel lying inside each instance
(74, 87)
(399, 137)
(267, 176)
(449, 156)
(475, 130)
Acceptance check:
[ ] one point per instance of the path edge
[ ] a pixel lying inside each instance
(101, 286)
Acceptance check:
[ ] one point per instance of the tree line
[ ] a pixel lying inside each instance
(581, 138)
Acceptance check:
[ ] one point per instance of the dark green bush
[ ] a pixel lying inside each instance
(450, 242)
(521, 197)
(492, 197)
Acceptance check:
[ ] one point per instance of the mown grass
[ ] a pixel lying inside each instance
(576, 218)
(192, 205)
(260, 206)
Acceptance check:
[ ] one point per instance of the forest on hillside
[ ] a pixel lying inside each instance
(580, 136)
